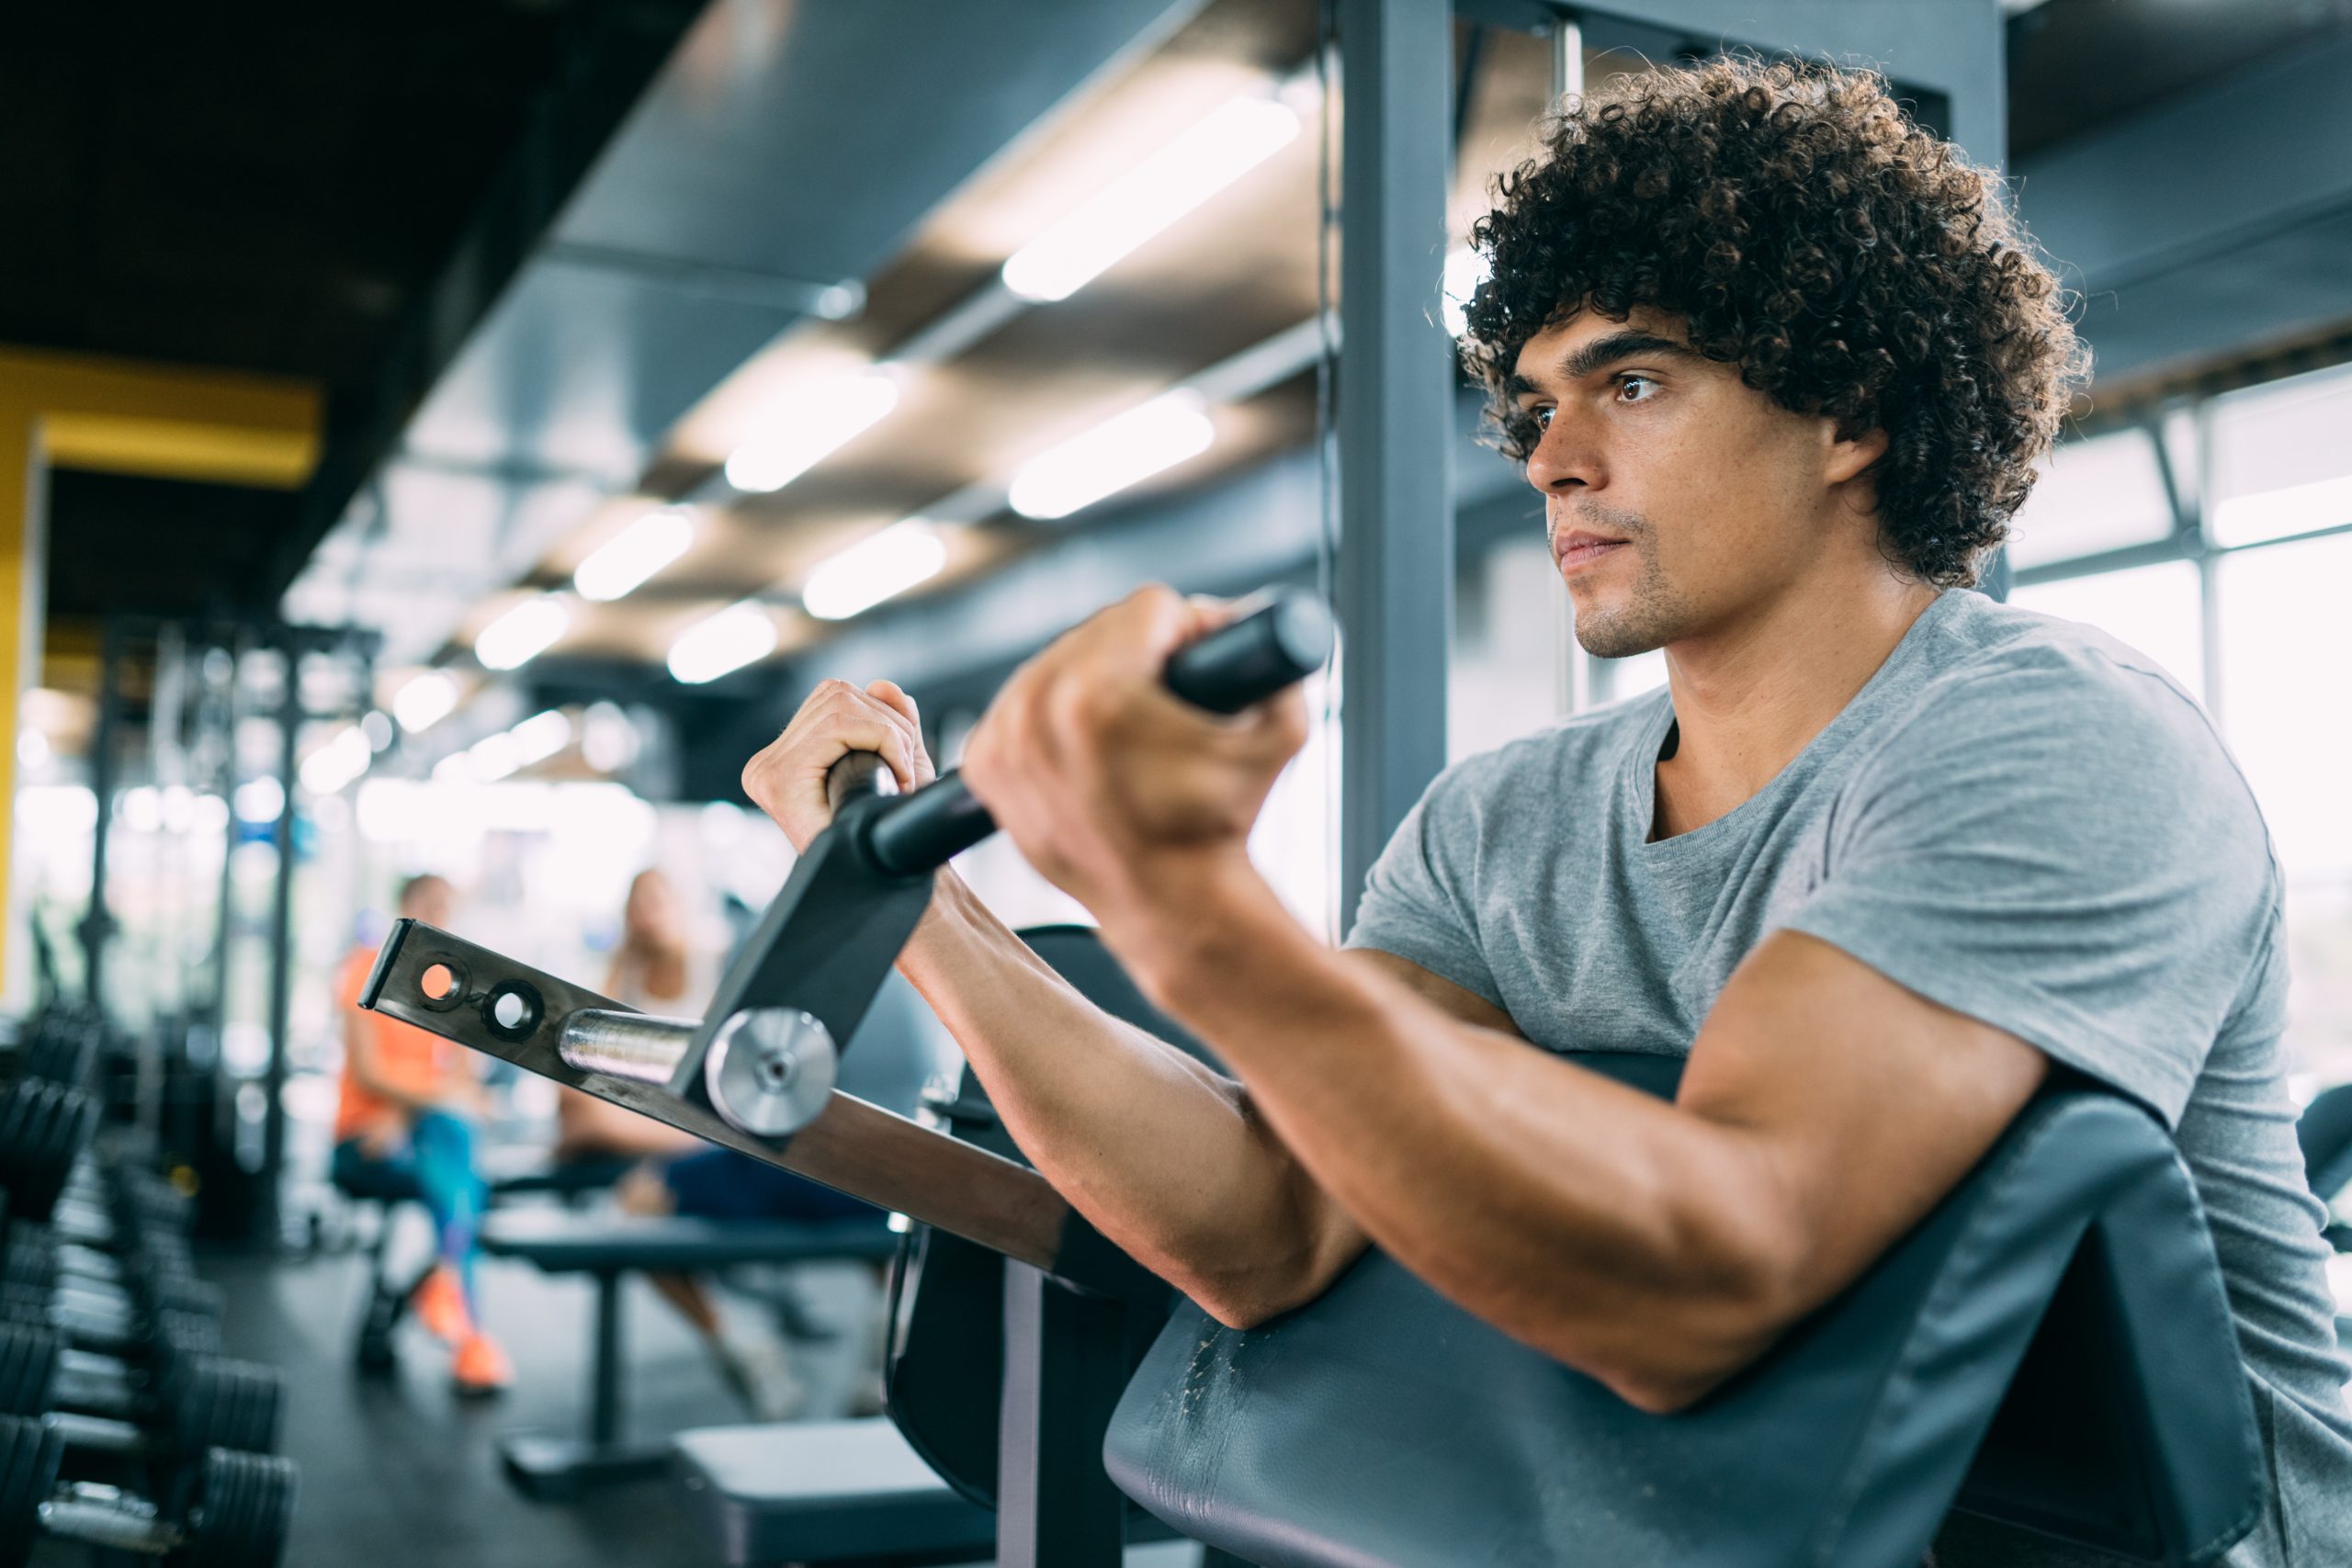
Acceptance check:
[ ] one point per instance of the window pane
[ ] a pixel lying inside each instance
(2286, 649)
(2151, 608)
(1507, 676)
(2093, 495)
(2282, 462)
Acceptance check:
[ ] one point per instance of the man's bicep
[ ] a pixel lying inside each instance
(1435, 989)
(1855, 1104)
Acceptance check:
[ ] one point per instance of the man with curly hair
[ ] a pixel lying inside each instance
(1881, 859)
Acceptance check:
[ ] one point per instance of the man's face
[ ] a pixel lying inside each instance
(1675, 498)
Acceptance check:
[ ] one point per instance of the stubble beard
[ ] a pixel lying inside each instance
(1651, 614)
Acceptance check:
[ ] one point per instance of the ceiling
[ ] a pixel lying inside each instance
(279, 188)
(2076, 65)
(554, 261)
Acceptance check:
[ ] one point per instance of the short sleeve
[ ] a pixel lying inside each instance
(1420, 899)
(2063, 849)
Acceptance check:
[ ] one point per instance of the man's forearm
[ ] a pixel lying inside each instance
(1583, 1216)
(1163, 1154)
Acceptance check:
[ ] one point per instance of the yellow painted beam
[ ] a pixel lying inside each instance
(173, 449)
(21, 574)
(121, 416)
(168, 421)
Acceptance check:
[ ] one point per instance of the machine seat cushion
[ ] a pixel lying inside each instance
(2325, 1131)
(561, 1242)
(2063, 1300)
(823, 1492)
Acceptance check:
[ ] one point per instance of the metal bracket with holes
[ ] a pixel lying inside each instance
(489, 1003)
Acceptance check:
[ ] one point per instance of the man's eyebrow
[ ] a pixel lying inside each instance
(1589, 357)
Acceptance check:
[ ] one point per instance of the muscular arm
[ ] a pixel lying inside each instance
(1167, 1158)
(1657, 1247)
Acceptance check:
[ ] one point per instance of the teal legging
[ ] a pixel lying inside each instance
(440, 1165)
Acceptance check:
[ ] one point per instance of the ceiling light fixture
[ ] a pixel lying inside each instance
(343, 758)
(1115, 454)
(540, 737)
(494, 757)
(623, 562)
(728, 640)
(522, 634)
(874, 568)
(424, 701)
(1150, 197)
(809, 423)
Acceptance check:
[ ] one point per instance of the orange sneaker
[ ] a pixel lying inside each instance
(479, 1367)
(440, 1304)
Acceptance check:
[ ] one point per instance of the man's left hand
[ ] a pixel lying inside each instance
(1121, 794)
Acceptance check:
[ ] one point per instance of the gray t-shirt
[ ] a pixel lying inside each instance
(2019, 817)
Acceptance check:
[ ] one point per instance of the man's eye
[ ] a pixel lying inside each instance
(1541, 417)
(1626, 385)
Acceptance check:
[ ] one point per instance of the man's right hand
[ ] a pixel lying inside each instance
(787, 779)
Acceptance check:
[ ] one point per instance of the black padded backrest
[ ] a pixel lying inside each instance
(1381, 1424)
(2325, 1131)
(946, 1363)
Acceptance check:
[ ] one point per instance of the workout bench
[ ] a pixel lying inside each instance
(838, 1495)
(606, 1248)
(388, 1298)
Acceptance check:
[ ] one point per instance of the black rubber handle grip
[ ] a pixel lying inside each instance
(857, 775)
(1232, 668)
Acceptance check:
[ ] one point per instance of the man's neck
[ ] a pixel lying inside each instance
(1749, 698)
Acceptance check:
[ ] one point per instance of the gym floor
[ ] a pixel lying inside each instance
(399, 1464)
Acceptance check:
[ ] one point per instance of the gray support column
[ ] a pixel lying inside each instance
(281, 945)
(98, 921)
(1394, 578)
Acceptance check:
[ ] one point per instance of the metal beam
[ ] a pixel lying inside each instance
(1952, 48)
(1394, 586)
(2252, 243)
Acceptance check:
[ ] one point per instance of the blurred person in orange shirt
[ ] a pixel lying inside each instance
(406, 1118)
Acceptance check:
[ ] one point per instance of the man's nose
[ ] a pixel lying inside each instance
(1562, 463)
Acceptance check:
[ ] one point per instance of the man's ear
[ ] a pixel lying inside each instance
(1853, 453)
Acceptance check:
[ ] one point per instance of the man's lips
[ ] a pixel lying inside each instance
(1577, 549)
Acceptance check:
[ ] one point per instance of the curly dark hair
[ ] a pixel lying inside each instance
(1849, 263)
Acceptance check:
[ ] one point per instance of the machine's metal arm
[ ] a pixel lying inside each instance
(483, 1000)
(760, 1068)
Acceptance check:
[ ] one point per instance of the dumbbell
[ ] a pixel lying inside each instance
(181, 1402)
(233, 1510)
(58, 1044)
(44, 1127)
(107, 1301)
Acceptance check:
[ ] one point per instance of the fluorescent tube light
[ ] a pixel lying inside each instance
(522, 634)
(807, 424)
(341, 760)
(728, 640)
(874, 570)
(1148, 197)
(425, 701)
(540, 737)
(622, 562)
(1114, 454)
(494, 757)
